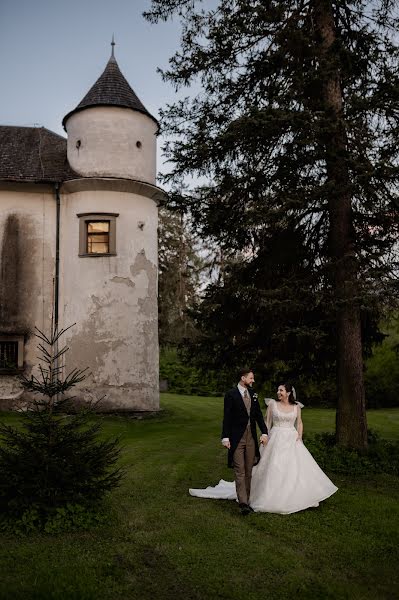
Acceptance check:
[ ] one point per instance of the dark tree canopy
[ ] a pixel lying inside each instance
(254, 132)
(296, 129)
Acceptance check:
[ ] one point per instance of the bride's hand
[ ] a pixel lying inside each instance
(299, 438)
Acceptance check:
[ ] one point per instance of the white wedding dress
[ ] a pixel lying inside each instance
(287, 479)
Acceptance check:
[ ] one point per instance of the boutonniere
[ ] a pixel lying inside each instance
(255, 397)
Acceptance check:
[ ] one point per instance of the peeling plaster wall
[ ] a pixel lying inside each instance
(113, 300)
(109, 141)
(27, 245)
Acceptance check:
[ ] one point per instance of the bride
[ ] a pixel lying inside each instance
(287, 479)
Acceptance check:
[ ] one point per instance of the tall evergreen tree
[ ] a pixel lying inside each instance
(297, 120)
(52, 461)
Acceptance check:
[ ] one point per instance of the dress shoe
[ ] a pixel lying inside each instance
(244, 509)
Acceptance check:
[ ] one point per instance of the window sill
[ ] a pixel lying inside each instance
(12, 371)
(97, 255)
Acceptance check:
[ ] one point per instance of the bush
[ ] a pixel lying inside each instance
(53, 461)
(382, 369)
(72, 517)
(187, 379)
(381, 456)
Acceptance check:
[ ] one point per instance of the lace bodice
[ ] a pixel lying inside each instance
(280, 418)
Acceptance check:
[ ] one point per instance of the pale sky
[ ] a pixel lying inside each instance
(52, 51)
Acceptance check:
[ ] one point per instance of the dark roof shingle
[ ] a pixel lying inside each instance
(33, 154)
(111, 89)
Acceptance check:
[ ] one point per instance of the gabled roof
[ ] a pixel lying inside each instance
(33, 154)
(111, 89)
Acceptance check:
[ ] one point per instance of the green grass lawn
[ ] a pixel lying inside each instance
(162, 543)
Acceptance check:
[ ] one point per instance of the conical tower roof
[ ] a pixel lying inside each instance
(111, 89)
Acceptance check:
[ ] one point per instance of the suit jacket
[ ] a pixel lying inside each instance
(235, 420)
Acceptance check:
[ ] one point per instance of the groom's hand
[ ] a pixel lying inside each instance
(264, 439)
(226, 443)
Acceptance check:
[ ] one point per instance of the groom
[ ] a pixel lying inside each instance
(241, 413)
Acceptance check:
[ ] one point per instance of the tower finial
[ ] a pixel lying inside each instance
(112, 45)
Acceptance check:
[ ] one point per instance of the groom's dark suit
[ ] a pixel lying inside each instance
(235, 421)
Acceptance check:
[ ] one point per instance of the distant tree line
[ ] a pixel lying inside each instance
(185, 280)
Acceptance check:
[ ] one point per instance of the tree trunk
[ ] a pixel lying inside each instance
(351, 423)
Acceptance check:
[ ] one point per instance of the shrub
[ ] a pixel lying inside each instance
(382, 369)
(186, 379)
(72, 517)
(381, 456)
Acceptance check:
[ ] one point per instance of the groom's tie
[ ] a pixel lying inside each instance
(247, 401)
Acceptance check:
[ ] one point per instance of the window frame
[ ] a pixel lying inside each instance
(19, 339)
(84, 219)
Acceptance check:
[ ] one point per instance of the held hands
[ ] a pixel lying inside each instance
(263, 440)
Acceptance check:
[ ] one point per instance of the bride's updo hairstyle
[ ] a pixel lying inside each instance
(291, 390)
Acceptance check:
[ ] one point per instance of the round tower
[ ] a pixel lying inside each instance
(110, 132)
(109, 250)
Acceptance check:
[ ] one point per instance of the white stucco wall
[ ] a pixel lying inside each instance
(103, 142)
(112, 299)
(27, 256)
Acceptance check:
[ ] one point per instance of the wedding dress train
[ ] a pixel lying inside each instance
(287, 479)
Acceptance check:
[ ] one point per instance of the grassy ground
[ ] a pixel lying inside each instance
(162, 543)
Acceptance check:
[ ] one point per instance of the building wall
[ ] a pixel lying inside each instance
(112, 299)
(109, 141)
(27, 249)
